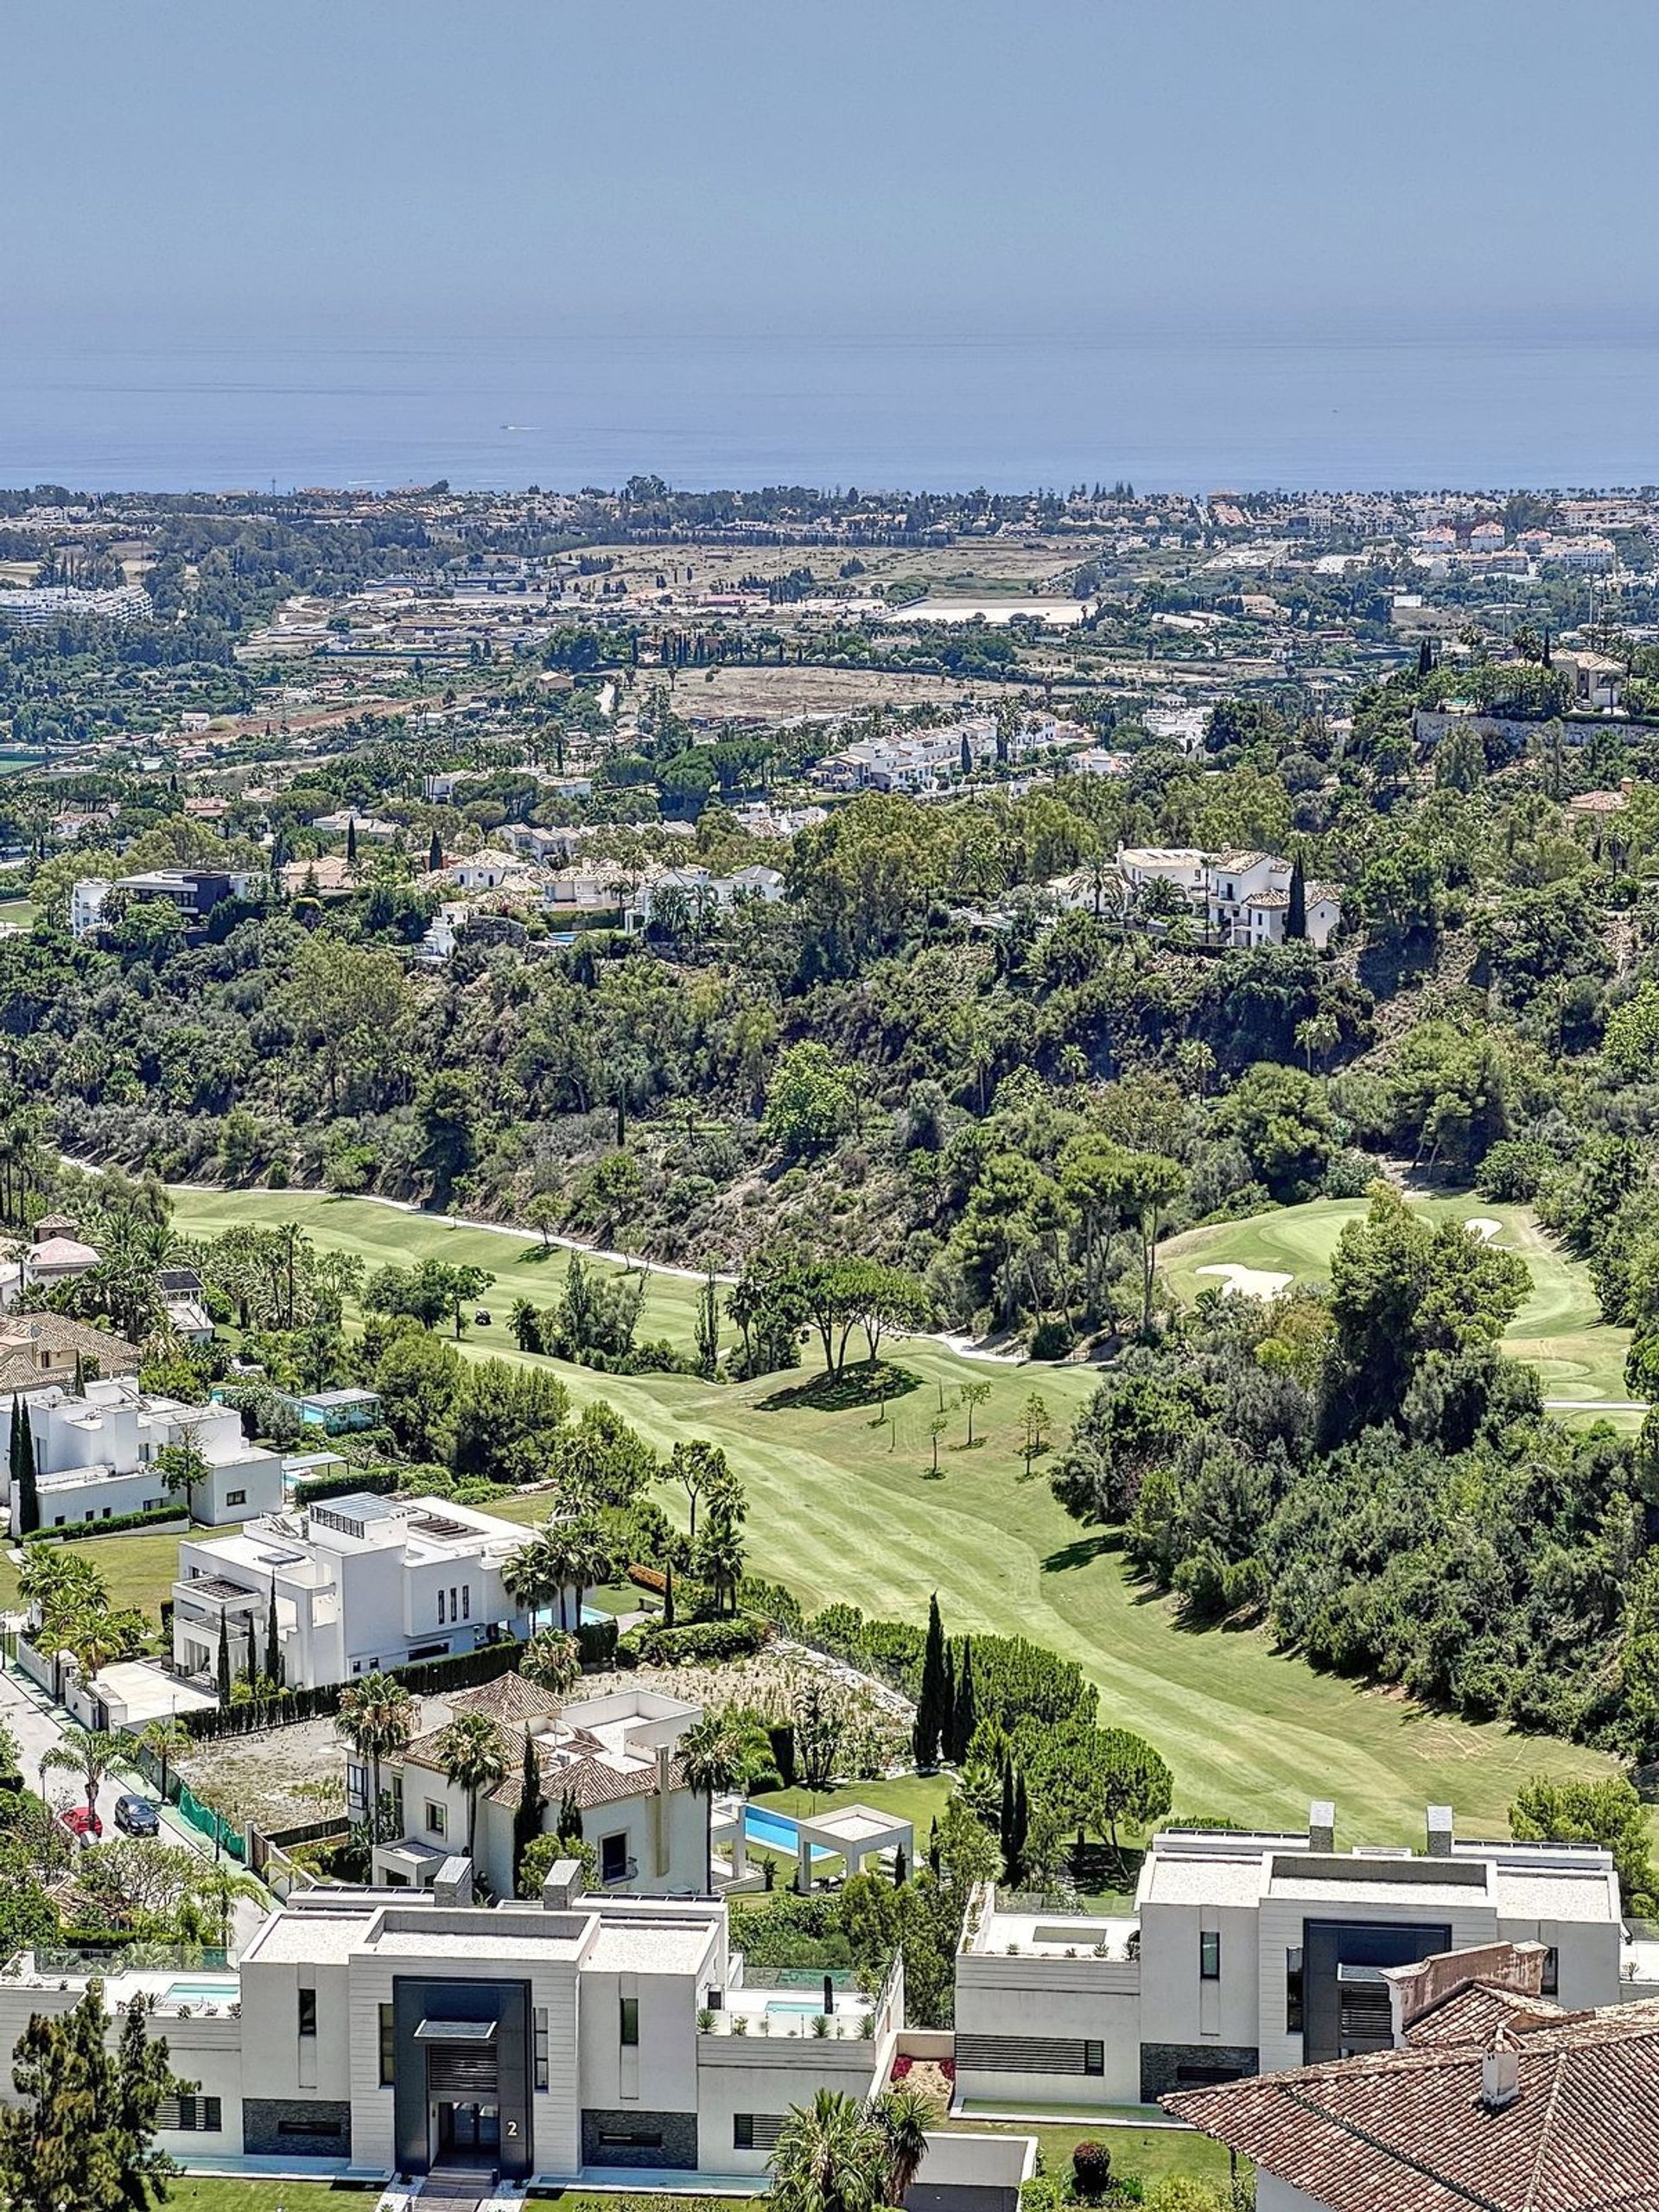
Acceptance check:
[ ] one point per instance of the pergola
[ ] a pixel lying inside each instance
(855, 1831)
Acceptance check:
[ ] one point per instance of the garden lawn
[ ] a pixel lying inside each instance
(1559, 1330)
(229, 2193)
(137, 1570)
(843, 1505)
(1147, 2152)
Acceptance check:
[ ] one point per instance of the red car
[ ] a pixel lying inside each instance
(81, 1822)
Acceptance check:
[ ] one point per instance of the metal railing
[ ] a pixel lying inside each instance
(133, 1958)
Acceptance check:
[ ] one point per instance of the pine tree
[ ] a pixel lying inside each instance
(223, 1668)
(1296, 919)
(964, 1719)
(273, 1642)
(930, 1705)
(27, 1512)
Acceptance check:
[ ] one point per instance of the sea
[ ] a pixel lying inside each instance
(253, 409)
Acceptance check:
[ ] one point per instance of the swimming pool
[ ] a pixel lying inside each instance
(777, 1830)
(202, 1992)
(795, 2004)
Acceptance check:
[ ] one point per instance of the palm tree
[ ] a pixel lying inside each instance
(829, 2157)
(902, 2117)
(714, 1761)
(377, 1719)
(166, 1739)
(473, 1760)
(88, 1752)
(551, 1660)
(535, 1574)
(219, 1888)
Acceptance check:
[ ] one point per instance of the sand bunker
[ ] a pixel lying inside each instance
(1483, 1225)
(1247, 1282)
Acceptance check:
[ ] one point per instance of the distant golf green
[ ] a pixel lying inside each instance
(1559, 1330)
(844, 1504)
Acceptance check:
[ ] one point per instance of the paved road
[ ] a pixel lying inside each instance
(38, 1725)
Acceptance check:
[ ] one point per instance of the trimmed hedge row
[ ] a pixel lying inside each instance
(653, 1645)
(75, 1532)
(371, 1481)
(461, 1671)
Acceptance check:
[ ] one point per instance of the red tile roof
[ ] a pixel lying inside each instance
(1406, 2131)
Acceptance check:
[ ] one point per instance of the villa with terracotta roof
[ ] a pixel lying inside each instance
(613, 1762)
(1493, 2098)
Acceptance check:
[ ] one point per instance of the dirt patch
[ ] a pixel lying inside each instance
(1247, 1282)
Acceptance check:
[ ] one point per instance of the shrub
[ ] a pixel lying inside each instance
(1092, 2168)
(1052, 1339)
(596, 1641)
(653, 1645)
(150, 1516)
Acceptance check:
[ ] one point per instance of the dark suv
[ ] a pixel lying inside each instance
(137, 1816)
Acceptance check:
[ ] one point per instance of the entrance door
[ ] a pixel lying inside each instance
(466, 2132)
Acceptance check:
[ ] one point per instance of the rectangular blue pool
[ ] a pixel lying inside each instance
(777, 1830)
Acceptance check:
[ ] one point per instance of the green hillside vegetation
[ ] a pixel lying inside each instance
(843, 1507)
(1558, 1330)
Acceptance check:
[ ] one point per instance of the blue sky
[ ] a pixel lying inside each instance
(1075, 166)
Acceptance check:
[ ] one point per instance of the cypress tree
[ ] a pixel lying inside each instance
(351, 838)
(434, 854)
(932, 1706)
(28, 1514)
(1296, 919)
(1021, 1830)
(948, 1706)
(273, 1642)
(223, 1668)
(253, 1657)
(900, 1867)
(967, 1716)
(1424, 659)
(527, 1815)
(14, 1445)
(1005, 1819)
(933, 1859)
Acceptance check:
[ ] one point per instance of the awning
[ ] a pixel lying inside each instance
(455, 2031)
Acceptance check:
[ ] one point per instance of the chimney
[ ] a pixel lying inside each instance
(1440, 1827)
(1500, 2071)
(1322, 1825)
(453, 1882)
(563, 1887)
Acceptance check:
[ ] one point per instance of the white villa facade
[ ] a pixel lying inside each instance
(1251, 1954)
(583, 2038)
(95, 1454)
(701, 890)
(615, 1759)
(360, 1583)
(1241, 898)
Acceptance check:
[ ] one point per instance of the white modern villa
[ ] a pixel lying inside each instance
(390, 2033)
(1241, 898)
(613, 1759)
(96, 1452)
(1248, 1953)
(360, 1583)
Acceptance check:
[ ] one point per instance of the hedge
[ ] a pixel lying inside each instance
(371, 1481)
(461, 1670)
(653, 1645)
(75, 1532)
(596, 1641)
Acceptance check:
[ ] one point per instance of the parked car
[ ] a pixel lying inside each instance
(137, 1816)
(81, 1822)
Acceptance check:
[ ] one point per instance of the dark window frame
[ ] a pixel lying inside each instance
(1209, 1954)
(628, 2022)
(307, 2011)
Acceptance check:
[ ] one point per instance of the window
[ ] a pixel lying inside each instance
(388, 2047)
(356, 1779)
(454, 1610)
(612, 1857)
(307, 2011)
(397, 1799)
(1551, 1982)
(320, 2126)
(1209, 1954)
(632, 2139)
(1094, 2058)
(466, 1601)
(436, 1818)
(1293, 1990)
(629, 2022)
(236, 1497)
(742, 2130)
(440, 1609)
(541, 2046)
(191, 2115)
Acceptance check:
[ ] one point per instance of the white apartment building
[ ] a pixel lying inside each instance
(1248, 1953)
(360, 1583)
(703, 892)
(615, 1759)
(95, 1454)
(1240, 898)
(581, 2039)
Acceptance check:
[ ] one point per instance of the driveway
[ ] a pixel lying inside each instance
(38, 1725)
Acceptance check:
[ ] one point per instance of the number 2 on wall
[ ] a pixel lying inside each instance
(513, 2128)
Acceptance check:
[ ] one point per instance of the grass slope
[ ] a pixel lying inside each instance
(842, 1507)
(1558, 1330)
